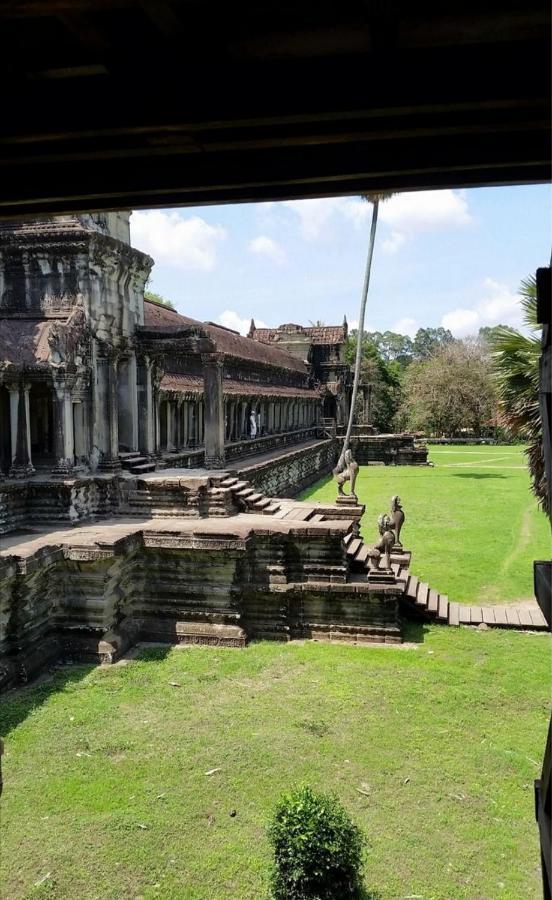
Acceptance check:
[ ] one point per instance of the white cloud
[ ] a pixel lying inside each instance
(461, 322)
(499, 305)
(265, 246)
(406, 326)
(405, 214)
(231, 319)
(315, 216)
(391, 244)
(186, 243)
(411, 213)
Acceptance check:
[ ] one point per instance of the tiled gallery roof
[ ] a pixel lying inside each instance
(316, 334)
(193, 384)
(226, 341)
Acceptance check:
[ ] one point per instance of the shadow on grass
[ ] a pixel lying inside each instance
(19, 702)
(414, 631)
(477, 475)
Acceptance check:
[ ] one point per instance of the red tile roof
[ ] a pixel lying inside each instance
(193, 384)
(317, 334)
(228, 342)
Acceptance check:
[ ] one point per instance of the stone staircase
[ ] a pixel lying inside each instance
(248, 499)
(136, 463)
(424, 602)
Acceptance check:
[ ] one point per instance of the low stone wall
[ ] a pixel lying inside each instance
(90, 600)
(288, 475)
(35, 502)
(269, 442)
(387, 449)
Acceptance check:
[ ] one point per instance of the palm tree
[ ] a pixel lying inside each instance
(515, 358)
(374, 198)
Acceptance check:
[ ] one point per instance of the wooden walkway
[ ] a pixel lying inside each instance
(424, 602)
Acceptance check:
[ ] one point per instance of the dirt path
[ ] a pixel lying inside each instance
(489, 593)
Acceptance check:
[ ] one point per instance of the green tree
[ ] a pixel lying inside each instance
(450, 391)
(429, 341)
(157, 298)
(392, 346)
(384, 376)
(515, 361)
(488, 333)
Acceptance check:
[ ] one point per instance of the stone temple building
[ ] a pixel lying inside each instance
(322, 347)
(93, 377)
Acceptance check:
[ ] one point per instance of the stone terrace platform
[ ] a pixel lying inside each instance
(204, 557)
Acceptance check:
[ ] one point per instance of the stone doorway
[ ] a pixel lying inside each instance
(41, 422)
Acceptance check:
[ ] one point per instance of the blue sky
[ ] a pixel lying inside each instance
(452, 258)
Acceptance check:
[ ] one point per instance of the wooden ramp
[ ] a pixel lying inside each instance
(422, 601)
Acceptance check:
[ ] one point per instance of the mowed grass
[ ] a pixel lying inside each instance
(433, 749)
(472, 523)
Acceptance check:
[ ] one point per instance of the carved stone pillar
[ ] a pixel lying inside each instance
(107, 419)
(146, 423)
(64, 450)
(21, 465)
(170, 426)
(366, 404)
(214, 410)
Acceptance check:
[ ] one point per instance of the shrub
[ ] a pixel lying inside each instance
(317, 848)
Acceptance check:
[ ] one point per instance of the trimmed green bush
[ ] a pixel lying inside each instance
(317, 848)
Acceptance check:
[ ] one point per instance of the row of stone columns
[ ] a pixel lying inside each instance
(184, 423)
(273, 416)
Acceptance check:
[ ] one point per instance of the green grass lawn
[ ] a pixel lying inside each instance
(433, 749)
(472, 523)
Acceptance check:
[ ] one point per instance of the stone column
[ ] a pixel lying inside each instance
(146, 423)
(243, 413)
(178, 423)
(64, 450)
(133, 398)
(214, 410)
(157, 417)
(20, 431)
(107, 410)
(184, 416)
(367, 404)
(79, 430)
(170, 425)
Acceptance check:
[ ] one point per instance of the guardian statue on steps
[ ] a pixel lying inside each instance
(397, 519)
(349, 473)
(381, 551)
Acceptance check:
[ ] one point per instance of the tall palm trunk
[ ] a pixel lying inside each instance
(360, 334)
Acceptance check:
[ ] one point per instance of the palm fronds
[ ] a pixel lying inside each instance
(515, 359)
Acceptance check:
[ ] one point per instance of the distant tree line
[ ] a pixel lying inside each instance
(433, 382)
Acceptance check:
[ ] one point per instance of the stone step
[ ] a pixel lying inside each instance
(142, 468)
(254, 498)
(353, 547)
(348, 538)
(239, 486)
(362, 555)
(131, 454)
(423, 594)
(262, 504)
(244, 493)
(229, 482)
(271, 509)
